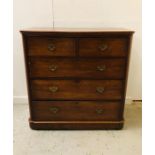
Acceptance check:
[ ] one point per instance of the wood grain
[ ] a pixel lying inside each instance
(76, 111)
(39, 46)
(76, 89)
(77, 68)
(116, 47)
(79, 87)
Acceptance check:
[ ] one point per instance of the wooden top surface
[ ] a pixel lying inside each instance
(77, 30)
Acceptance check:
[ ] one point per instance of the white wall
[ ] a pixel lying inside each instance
(78, 13)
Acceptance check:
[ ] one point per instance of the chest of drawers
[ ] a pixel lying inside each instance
(76, 79)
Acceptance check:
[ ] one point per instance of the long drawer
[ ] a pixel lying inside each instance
(77, 68)
(76, 89)
(103, 47)
(76, 111)
(46, 46)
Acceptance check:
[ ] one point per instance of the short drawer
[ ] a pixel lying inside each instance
(76, 89)
(42, 46)
(76, 111)
(78, 68)
(106, 47)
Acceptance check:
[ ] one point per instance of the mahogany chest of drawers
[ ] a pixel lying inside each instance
(76, 78)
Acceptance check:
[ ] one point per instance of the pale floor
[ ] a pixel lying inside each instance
(99, 142)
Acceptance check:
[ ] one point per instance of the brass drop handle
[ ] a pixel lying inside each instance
(53, 89)
(51, 47)
(100, 89)
(103, 47)
(54, 110)
(101, 68)
(99, 111)
(53, 68)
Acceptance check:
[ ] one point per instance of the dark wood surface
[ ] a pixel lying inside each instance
(76, 111)
(76, 125)
(79, 57)
(77, 68)
(101, 47)
(76, 89)
(46, 46)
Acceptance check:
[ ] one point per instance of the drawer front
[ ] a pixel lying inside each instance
(76, 89)
(97, 47)
(76, 111)
(81, 68)
(40, 46)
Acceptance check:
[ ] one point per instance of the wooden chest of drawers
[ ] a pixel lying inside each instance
(76, 78)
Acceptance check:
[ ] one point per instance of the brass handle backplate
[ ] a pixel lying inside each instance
(99, 111)
(54, 110)
(100, 89)
(53, 89)
(101, 68)
(51, 47)
(53, 68)
(103, 47)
